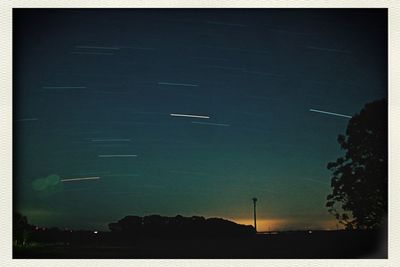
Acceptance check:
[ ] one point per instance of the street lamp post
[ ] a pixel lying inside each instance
(255, 221)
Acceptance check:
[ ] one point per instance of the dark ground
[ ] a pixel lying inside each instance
(284, 245)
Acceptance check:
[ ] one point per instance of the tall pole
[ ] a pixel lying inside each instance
(255, 220)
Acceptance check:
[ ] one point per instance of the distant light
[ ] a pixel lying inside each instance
(116, 156)
(310, 232)
(330, 113)
(95, 232)
(80, 179)
(189, 116)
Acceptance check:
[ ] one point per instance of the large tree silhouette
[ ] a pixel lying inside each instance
(359, 197)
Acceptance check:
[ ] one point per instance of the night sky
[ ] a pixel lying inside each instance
(94, 91)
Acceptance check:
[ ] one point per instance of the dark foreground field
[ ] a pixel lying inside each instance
(286, 245)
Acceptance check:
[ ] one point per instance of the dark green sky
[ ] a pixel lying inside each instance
(89, 83)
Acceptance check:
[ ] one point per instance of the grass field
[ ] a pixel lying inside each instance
(286, 245)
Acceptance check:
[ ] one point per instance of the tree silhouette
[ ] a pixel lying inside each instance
(21, 230)
(178, 226)
(360, 178)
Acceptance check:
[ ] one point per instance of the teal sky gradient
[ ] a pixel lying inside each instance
(87, 75)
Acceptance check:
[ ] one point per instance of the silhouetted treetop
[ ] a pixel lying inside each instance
(360, 178)
(21, 229)
(179, 226)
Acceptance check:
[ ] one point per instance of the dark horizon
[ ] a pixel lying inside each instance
(197, 237)
(105, 228)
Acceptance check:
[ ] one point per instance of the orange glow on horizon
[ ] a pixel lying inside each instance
(282, 224)
(263, 224)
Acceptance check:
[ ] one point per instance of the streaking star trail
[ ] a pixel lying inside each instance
(117, 156)
(189, 116)
(112, 140)
(330, 113)
(211, 123)
(64, 87)
(80, 179)
(97, 47)
(178, 84)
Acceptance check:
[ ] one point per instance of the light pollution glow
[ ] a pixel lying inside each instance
(283, 224)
